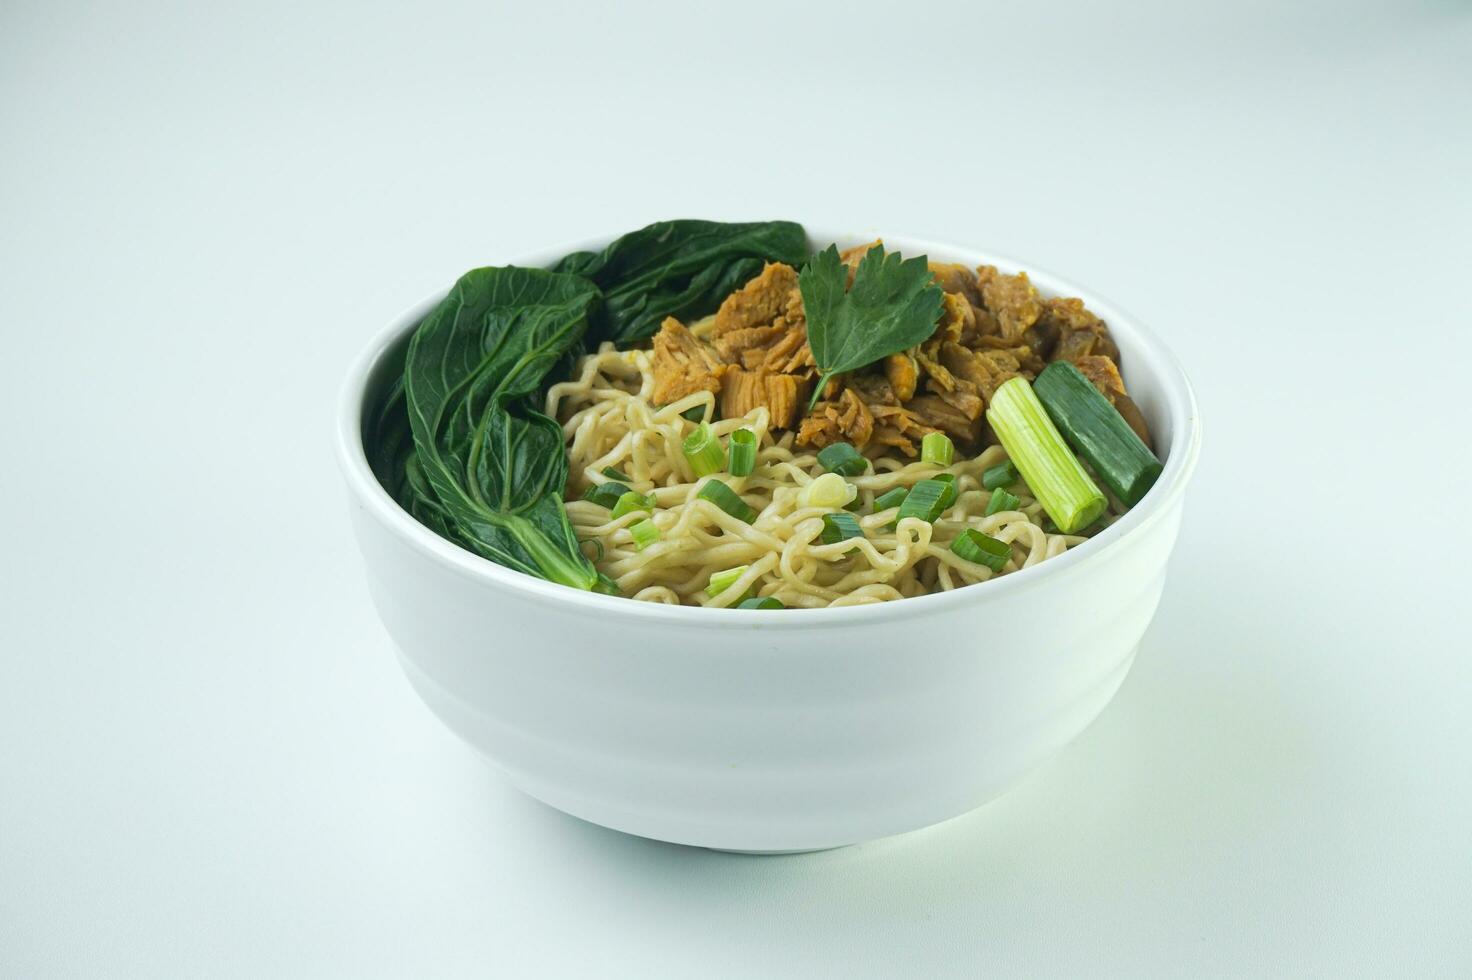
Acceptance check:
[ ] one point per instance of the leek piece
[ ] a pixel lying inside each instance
(645, 533)
(937, 448)
(721, 581)
(742, 452)
(1052, 472)
(727, 500)
(1001, 500)
(704, 451)
(981, 549)
(843, 459)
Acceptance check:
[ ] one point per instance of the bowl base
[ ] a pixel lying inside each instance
(799, 850)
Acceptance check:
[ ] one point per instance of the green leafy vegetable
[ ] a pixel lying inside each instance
(839, 526)
(632, 502)
(1096, 430)
(843, 459)
(1001, 475)
(926, 500)
(704, 451)
(1053, 473)
(644, 533)
(605, 494)
(741, 452)
(893, 305)
(727, 500)
(981, 549)
(678, 268)
(1002, 500)
(890, 498)
(721, 581)
(489, 467)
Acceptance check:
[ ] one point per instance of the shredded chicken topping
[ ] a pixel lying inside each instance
(993, 327)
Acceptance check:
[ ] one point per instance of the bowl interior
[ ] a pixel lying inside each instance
(1155, 380)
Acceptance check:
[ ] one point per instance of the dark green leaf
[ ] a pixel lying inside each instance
(893, 305)
(678, 268)
(494, 466)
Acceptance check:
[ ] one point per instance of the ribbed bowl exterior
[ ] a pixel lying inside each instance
(768, 738)
(784, 730)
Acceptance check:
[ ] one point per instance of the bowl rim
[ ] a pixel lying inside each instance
(1161, 363)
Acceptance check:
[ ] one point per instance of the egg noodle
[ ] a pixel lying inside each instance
(608, 420)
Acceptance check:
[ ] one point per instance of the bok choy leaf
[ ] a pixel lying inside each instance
(486, 465)
(679, 268)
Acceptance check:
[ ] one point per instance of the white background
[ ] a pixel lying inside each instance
(209, 764)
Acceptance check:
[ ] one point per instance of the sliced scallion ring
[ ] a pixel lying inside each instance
(704, 451)
(742, 452)
(721, 581)
(981, 549)
(843, 459)
(727, 500)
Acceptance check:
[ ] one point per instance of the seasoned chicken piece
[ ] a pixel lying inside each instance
(1042, 337)
(957, 318)
(782, 394)
(683, 364)
(956, 315)
(933, 411)
(846, 419)
(1080, 333)
(1013, 300)
(761, 302)
(733, 343)
(903, 374)
(790, 354)
(987, 370)
(938, 377)
(964, 398)
(855, 418)
(873, 389)
(852, 256)
(986, 327)
(1104, 375)
(956, 278)
(1028, 362)
(897, 427)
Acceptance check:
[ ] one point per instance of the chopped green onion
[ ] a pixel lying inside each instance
(630, 503)
(827, 490)
(1004, 474)
(1053, 473)
(981, 549)
(605, 494)
(840, 526)
(704, 451)
(695, 413)
(855, 505)
(596, 543)
(765, 602)
(926, 501)
(949, 479)
(937, 448)
(644, 532)
(890, 498)
(742, 452)
(843, 459)
(614, 474)
(1001, 500)
(1095, 428)
(721, 581)
(727, 500)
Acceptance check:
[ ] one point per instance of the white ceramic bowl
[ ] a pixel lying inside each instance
(774, 730)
